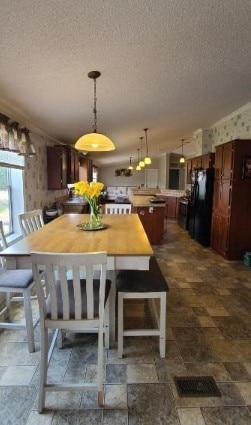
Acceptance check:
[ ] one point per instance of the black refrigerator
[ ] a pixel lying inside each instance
(199, 225)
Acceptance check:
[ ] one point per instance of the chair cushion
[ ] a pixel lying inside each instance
(71, 296)
(151, 280)
(18, 278)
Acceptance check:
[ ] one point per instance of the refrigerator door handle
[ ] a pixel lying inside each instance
(196, 192)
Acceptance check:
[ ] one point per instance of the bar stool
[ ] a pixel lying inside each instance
(143, 284)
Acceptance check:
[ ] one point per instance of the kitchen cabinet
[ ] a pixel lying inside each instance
(224, 161)
(219, 232)
(77, 208)
(62, 166)
(204, 161)
(56, 167)
(231, 218)
(196, 162)
(85, 169)
(207, 160)
(72, 165)
(172, 207)
(152, 219)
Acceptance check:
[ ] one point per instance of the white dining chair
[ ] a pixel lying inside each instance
(118, 208)
(31, 221)
(16, 285)
(78, 305)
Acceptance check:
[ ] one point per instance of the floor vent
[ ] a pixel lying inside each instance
(197, 386)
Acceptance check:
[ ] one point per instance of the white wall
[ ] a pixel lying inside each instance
(107, 176)
(163, 165)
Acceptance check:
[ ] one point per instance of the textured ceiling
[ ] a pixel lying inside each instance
(171, 65)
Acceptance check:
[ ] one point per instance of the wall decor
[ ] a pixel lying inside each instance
(123, 172)
(246, 168)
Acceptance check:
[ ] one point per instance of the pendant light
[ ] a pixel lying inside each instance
(130, 166)
(147, 159)
(182, 159)
(138, 168)
(94, 142)
(141, 163)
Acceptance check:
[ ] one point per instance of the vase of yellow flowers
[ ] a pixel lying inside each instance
(91, 192)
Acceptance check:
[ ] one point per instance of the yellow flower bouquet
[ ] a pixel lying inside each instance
(91, 192)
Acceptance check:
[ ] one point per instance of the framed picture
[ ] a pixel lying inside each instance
(246, 168)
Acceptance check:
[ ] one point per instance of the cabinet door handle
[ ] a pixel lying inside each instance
(142, 212)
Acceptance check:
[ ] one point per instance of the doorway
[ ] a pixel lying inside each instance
(174, 178)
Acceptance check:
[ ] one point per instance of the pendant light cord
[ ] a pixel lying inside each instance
(145, 130)
(95, 126)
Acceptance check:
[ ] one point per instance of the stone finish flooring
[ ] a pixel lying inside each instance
(208, 333)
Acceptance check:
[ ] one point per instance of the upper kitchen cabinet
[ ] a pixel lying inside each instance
(203, 161)
(196, 162)
(224, 161)
(85, 169)
(72, 165)
(62, 166)
(207, 160)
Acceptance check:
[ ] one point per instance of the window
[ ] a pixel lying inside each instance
(94, 174)
(5, 200)
(11, 191)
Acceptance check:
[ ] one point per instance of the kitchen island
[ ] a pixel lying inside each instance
(152, 216)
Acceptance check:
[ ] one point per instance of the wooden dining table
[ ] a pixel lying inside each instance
(123, 239)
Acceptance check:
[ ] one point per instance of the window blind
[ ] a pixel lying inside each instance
(11, 160)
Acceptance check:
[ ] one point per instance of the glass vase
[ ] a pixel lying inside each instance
(95, 217)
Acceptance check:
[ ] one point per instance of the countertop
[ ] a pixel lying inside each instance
(143, 201)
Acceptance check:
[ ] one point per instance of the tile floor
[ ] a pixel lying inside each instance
(208, 333)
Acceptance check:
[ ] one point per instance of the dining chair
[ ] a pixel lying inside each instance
(118, 208)
(31, 221)
(18, 282)
(75, 304)
(143, 284)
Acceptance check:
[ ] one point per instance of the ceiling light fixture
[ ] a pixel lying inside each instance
(141, 163)
(182, 159)
(130, 166)
(94, 142)
(138, 168)
(147, 159)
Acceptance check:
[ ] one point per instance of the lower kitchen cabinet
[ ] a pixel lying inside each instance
(172, 207)
(152, 219)
(219, 233)
(69, 206)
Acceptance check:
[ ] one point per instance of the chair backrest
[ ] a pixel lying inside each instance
(3, 244)
(31, 221)
(71, 298)
(118, 208)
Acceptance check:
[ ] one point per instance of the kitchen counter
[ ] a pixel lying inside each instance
(143, 201)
